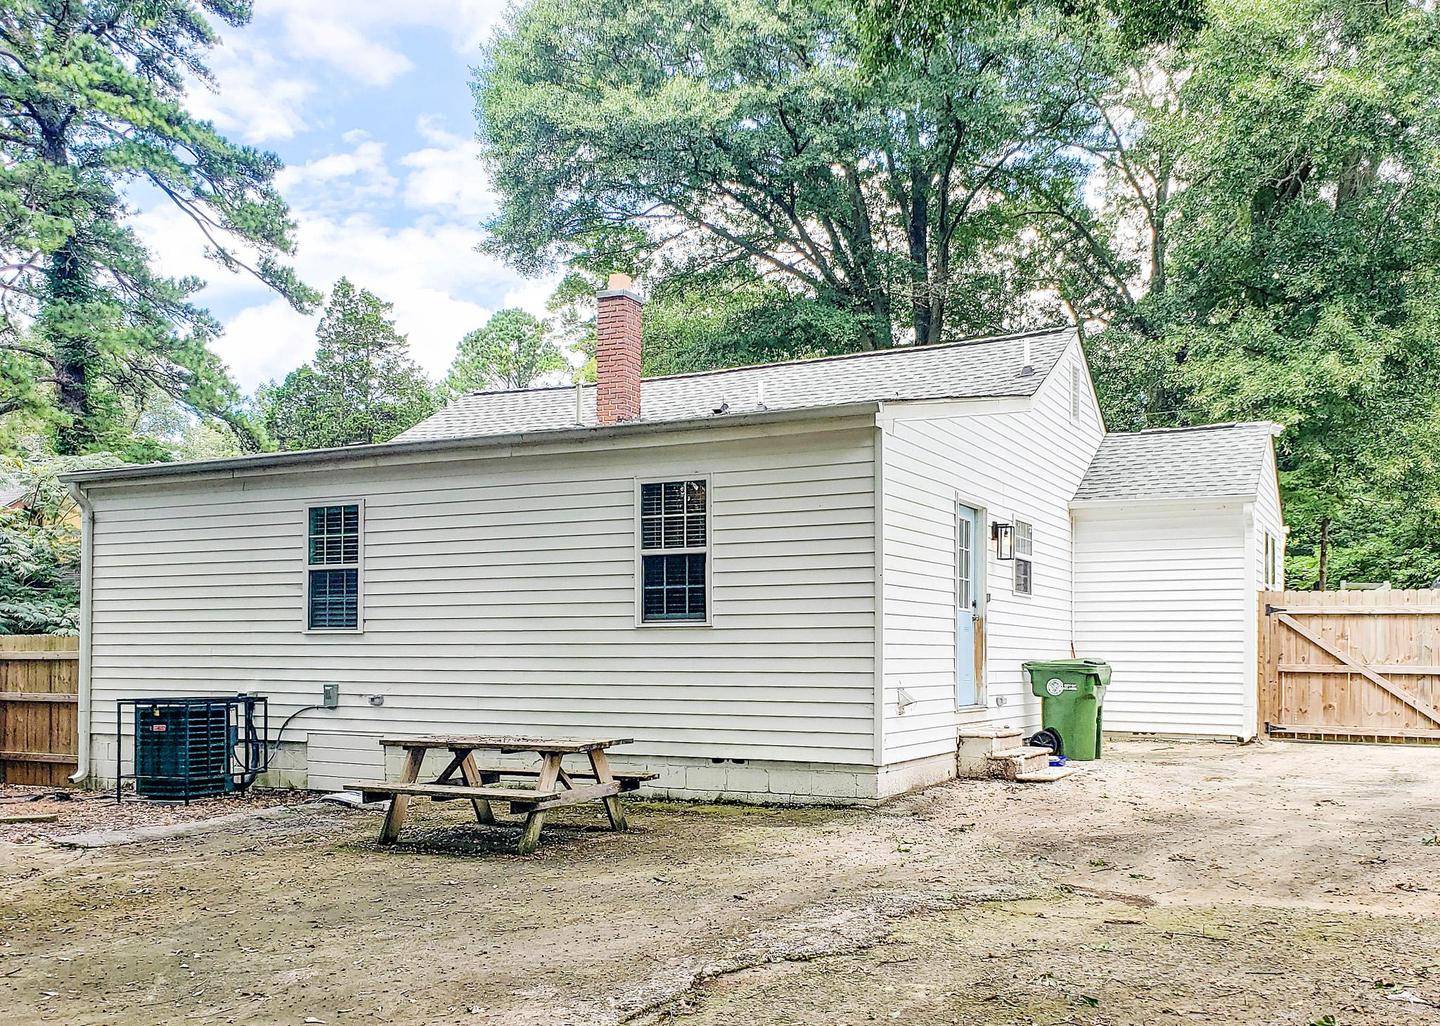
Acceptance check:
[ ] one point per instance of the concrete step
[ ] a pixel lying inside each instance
(1020, 752)
(977, 744)
(1048, 775)
(1010, 763)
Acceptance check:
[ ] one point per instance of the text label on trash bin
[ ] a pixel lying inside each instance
(1056, 686)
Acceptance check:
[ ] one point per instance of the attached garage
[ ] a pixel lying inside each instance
(1176, 532)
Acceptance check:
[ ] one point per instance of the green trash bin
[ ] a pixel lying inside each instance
(1072, 692)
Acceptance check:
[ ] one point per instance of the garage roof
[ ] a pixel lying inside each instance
(1216, 461)
(974, 369)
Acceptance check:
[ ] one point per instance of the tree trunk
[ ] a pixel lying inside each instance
(74, 348)
(918, 232)
(1323, 582)
(937, 284)
(1157, 256)
(1159, 233)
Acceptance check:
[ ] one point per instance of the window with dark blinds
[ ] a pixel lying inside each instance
(332, 587)
(674, 551)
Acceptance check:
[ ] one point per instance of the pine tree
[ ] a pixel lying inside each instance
(362, 387)
(511, 351)
(91, 95)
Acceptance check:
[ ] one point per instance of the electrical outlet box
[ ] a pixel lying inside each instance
(331, 697)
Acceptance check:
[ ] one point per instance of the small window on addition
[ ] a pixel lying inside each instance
(332, 574)
(674, 552)
(1024, 554)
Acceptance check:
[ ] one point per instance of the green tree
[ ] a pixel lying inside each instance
(1259, 242)
(40, 544)
(512, 350)
(709, 134)
(1297, 277)
(362, 387)
(91, 105)
(733, 318)
(728, 317)
(896, 28)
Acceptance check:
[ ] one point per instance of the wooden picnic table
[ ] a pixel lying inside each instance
(554, 787)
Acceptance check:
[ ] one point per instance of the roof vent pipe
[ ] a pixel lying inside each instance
(1029, 366)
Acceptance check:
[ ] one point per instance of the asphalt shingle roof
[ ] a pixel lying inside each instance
(1215, 461)
(980, 368)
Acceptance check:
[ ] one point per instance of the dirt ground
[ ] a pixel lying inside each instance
(1169, 884)
(26, 811)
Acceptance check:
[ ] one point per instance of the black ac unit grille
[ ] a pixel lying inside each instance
(183, 749)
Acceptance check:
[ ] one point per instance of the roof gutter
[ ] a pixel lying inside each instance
(87, 560)
(385, 451)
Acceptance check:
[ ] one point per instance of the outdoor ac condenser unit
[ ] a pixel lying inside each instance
(198, 747)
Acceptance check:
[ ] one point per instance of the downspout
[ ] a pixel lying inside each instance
(87, 559)
(879, 568)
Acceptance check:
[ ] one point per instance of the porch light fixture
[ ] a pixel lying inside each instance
(1004, 537)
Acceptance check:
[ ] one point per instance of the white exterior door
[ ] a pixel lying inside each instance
(967, 607)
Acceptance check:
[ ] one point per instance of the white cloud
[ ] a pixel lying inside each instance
(266, 341)
(355, 36)
(344, 180)
(257, 97)
(446, 176)
(404, 225)
(466, 23)
(323, 32)
(267, 70)
(440, 286)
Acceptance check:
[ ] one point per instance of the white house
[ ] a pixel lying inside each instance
(782, 581)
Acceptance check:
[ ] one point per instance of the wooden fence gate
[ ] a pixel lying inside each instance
(1350, 665)
(38, 701)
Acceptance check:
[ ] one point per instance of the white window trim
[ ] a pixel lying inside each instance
(1028, 558)
(708, 551)
(305, 627)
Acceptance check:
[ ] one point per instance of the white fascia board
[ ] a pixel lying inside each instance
(619, 436)
(895, 410)
(1103, 507)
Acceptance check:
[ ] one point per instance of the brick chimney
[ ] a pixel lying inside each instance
(617, 351)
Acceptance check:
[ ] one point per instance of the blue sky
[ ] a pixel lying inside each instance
(368, 103)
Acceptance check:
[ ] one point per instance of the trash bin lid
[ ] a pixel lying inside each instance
(1073, 665)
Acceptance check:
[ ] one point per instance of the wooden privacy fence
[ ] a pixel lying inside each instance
(1351, 665)
(39, 678)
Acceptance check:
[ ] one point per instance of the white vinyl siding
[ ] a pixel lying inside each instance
(1162, 593)
(500, 596)
(1268, 520)
(1022, 465)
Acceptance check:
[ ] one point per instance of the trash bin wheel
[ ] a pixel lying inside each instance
(1048, 738)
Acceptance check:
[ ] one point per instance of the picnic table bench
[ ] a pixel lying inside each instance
(554, 786)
